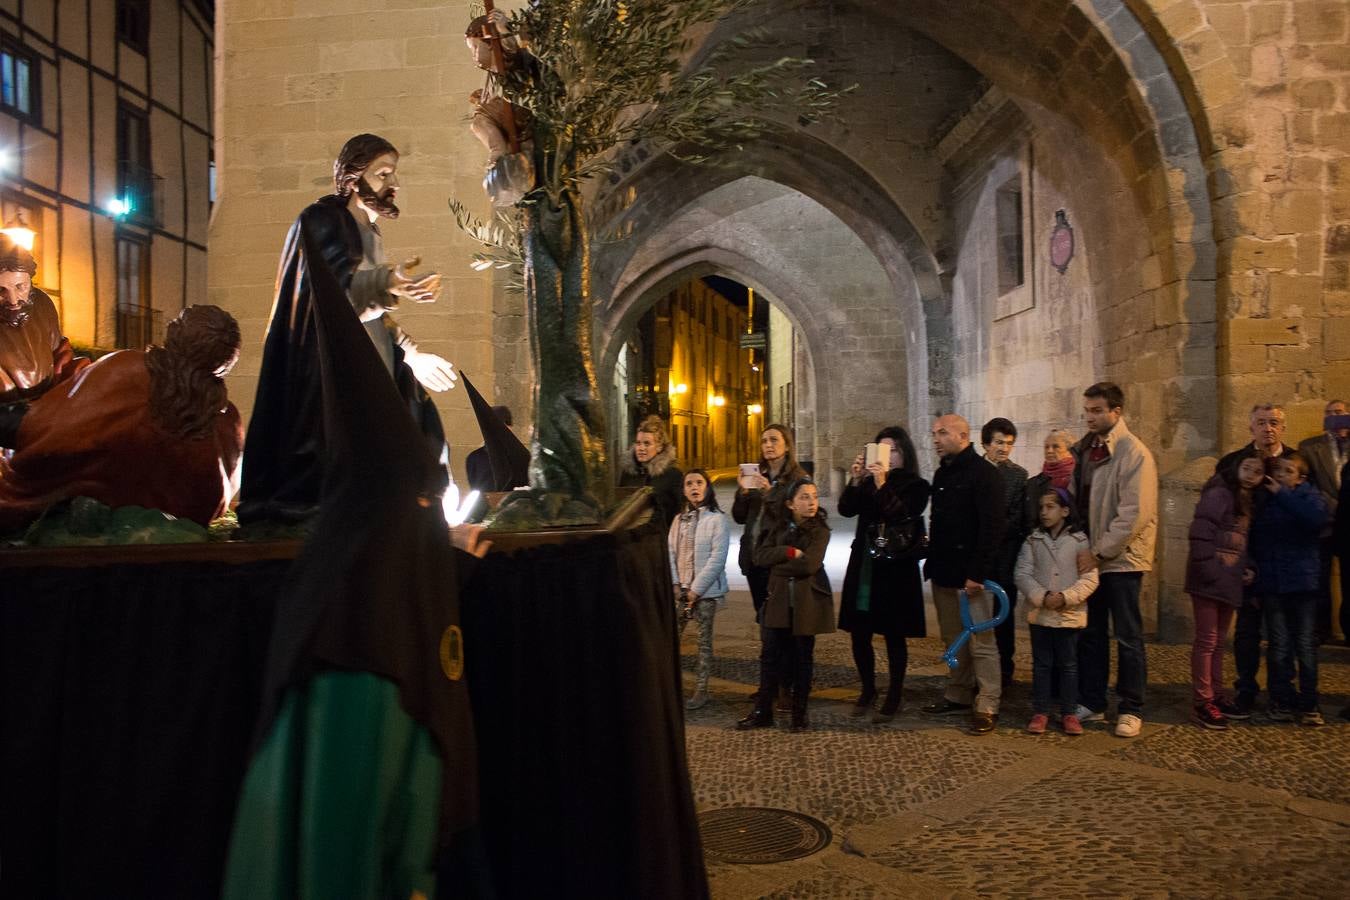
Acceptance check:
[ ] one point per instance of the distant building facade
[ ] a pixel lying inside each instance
(106, 156)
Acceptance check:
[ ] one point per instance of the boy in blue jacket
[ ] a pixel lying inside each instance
(1284, 548)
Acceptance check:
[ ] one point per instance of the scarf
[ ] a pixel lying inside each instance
(1059, 472)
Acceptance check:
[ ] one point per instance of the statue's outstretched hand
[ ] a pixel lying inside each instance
(423, 289)
(436, 373)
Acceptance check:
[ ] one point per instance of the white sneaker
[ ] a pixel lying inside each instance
(1128, 725)
(1086, 715)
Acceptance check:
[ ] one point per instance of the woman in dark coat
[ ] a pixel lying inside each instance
(651, 463)
(758, 506)
(883, 596)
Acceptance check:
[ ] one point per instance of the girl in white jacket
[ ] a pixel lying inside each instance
(1047, 575)
(699, 537)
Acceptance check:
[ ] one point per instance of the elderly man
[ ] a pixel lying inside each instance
(1327, 454)
(285, 454)
(968, 515)
(1266, 423)
(34, 355)
(1116, 483)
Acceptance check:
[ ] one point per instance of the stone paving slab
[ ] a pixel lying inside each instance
(1286, 757)
(1078, 835)
(921, 809)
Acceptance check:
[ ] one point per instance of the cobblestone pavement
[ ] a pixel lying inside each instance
(919, 808)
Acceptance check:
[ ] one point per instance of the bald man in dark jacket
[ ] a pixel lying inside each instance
(968, 515)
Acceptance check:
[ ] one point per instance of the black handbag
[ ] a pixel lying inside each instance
(906, 539)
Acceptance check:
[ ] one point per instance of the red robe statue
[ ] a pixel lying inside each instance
(96, 437)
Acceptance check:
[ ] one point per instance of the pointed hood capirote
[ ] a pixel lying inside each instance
(376, 588)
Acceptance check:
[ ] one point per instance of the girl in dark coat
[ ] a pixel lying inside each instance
(651, 463)
(799, 606)
(1217, 568)
(881, 595)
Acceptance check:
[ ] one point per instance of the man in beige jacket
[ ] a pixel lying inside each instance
(1116, 488)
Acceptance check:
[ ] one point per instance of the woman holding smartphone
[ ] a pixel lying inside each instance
(883, 591)
(760, 502)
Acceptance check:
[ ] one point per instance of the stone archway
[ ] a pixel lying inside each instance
(640, 294)
(807, 165)
(841, 300)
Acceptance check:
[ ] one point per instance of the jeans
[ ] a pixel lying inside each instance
(1326, 549)
(976, 678)
(1212, 619)
(795, 657)
(1114, 605)
(1345, 598)
(865, 658)
(1291, 623)
(1247, 648)
(1054, 654)
(1005, 633)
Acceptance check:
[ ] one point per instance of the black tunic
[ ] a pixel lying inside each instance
(286, 447)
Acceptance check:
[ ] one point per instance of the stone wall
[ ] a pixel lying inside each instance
(296, 79)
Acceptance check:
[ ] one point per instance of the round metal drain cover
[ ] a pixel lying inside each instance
(759, 834)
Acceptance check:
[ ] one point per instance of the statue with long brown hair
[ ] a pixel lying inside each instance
(152, 428)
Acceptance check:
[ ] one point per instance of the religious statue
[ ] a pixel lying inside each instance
(584, 79)
(151, 428)
(285, 446)
(34, 354)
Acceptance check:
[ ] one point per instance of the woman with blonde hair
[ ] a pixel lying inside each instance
(651, 463)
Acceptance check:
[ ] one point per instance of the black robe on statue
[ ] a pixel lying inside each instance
(286, 448)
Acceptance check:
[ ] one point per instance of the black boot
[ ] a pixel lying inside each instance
(864, 701)
(890, 706)
(760, 717)
(799, 720)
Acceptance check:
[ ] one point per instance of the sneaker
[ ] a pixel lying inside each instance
(1038, 723)
(1208, 715)
(697, 701)
(1236, 710)
(945, 707)
(1128, 725)
(1243, 704)
(1279, 713)
(1086, 715)
(1312, 717)
(1071, 725)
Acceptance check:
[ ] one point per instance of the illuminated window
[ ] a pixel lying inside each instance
(18, 83)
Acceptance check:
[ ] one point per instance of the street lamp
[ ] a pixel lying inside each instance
(17, 230)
